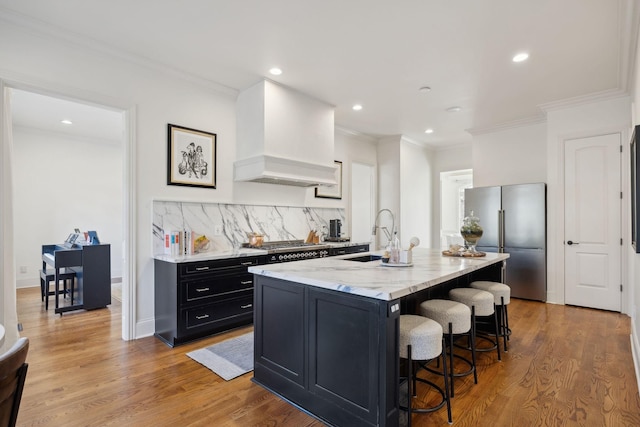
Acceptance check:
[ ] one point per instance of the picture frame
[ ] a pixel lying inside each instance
(635, 189)
(191, 157)
(332, 191)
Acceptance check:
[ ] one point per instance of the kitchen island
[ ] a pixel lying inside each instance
(326, 330)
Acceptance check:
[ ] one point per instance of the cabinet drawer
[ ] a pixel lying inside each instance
(199, 317)
(217, 266)
(223, 286)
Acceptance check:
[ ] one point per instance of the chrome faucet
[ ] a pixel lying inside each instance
(388, 233)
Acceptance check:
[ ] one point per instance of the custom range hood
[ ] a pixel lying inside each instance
(283, 137)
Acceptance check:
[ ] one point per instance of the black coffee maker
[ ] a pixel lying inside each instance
(334, 228)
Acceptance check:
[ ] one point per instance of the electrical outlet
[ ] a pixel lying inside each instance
(23, 269)
(217, 230)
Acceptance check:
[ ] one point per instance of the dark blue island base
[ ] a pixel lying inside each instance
(333, 354)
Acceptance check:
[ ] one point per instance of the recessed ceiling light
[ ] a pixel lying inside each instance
(66, 122)
(424, 89)
(454, 109)
(357, 107)
(521, 57)
(428, 130)
(275, 71)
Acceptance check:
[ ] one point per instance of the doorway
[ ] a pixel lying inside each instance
(75, 158)
(452, 186)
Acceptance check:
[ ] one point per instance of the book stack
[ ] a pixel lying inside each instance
(179, 243)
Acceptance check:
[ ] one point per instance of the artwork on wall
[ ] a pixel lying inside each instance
(635, 188)
(191, 157)
(332, 191)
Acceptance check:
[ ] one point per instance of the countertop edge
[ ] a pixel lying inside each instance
(297, 275)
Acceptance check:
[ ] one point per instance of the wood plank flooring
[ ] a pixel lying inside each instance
(566, 366)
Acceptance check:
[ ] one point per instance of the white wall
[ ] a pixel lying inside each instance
(416, 205)
(633, 259)
(388, 151)
(62, 183)
(405, 173)
(349, 148)
(511, 156)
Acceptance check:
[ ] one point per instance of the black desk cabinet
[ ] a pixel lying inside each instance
(197, 299)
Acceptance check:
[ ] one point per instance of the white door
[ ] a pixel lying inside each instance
(592, 247)
(362, 202)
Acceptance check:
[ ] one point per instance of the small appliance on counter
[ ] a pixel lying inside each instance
(335, 232)
(334, 228)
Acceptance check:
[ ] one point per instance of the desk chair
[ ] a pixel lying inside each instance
(13, 372)
(65, 275)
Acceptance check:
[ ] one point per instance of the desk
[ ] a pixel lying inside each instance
(92, 265)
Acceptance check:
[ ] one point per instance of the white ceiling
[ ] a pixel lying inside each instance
(45, 113)
(375, 52)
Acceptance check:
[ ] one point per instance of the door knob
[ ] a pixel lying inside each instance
(572, 243)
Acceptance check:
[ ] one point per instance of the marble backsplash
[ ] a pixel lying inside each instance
(227, 225)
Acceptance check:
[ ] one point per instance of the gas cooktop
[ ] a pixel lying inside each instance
(285, 244)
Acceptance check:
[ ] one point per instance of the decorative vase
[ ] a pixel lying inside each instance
(471, 232)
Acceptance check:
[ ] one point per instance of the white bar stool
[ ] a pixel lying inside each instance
(482, 305)
(502, 297)
(455, 320)
(421, 340)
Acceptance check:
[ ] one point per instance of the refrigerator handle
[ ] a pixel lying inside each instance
(501, 230)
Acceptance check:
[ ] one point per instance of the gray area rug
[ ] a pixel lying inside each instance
(228, 359)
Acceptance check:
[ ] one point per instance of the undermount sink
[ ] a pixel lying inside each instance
(364, 258)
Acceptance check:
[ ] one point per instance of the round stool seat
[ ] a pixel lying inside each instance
(446, 311)
(497, 289)
(481, 300)
(422, 334)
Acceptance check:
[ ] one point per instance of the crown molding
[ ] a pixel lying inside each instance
(76, 40)
(526, 121)
(604, 95)
(341, 130)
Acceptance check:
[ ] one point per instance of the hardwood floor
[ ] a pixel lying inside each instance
(566, 366)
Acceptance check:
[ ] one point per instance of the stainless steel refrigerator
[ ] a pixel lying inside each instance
(514, 221)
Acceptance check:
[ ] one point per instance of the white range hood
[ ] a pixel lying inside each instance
(284, 137)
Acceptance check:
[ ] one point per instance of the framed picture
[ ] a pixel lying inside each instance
(191, 157)
(635, 188)
(332, 191)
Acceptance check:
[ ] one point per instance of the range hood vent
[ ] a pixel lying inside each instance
(275, 170)
(283, 137)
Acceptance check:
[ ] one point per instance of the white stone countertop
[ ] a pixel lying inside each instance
(373, 279)
(244, 252)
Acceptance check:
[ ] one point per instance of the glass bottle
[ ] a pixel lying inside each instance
(395, 249)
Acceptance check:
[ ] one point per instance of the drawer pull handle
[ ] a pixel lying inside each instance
(202, 290)
(246, 282)
(202, 317)
(246, 306)
(201, 268)
(247, 263)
